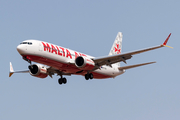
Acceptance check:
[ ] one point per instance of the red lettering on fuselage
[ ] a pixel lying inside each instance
(76, 55)
(57, 50)
(63, 51)
(68, 54)
(82, 55)
(46, 47)
(53, 49)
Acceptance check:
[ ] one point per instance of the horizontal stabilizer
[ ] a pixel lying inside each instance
(12, 70)
(133, 66)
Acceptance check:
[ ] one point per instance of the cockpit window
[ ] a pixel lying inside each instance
(29, 43)
(23, 43)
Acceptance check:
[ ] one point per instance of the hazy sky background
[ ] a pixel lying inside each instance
(146, 93)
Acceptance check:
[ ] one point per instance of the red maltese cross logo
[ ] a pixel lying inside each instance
(117, 50)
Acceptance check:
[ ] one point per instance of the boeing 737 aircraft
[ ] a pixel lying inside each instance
(62, 61)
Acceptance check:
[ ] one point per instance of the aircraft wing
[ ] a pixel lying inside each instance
(125, 56)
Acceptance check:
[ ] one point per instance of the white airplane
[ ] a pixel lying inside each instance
(63, 61)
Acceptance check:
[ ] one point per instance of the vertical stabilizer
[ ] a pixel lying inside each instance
(117, 46)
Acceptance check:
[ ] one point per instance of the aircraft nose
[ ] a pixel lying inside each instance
(20, 49)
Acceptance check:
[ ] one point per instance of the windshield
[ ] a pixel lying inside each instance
(29, 43)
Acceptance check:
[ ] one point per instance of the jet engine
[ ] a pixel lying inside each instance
(84, 63)
(38, 70)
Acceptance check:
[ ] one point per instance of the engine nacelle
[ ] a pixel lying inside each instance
(38, 70)
(84, 63)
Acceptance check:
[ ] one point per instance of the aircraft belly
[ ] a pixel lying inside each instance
(108, 72)
(65, 67)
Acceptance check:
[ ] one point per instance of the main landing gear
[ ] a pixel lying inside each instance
(62, 80)
(88, 76)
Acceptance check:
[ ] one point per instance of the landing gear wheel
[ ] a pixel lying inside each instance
(91, 76)
(62, 80)
(87, 76)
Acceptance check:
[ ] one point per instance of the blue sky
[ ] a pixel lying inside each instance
(148, 92)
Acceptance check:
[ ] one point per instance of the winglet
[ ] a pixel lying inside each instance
(11, 70)
(165, 42)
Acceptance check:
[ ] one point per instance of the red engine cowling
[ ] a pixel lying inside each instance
(84, 63)
(38, 70)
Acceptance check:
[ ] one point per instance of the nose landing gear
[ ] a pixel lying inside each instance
(26, 59)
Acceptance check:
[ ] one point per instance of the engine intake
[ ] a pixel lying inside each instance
(38, 70)
(84, 63)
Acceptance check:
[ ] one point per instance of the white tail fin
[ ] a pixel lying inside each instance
(117, 46)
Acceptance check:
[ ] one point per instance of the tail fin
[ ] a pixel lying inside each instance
(117, 46)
